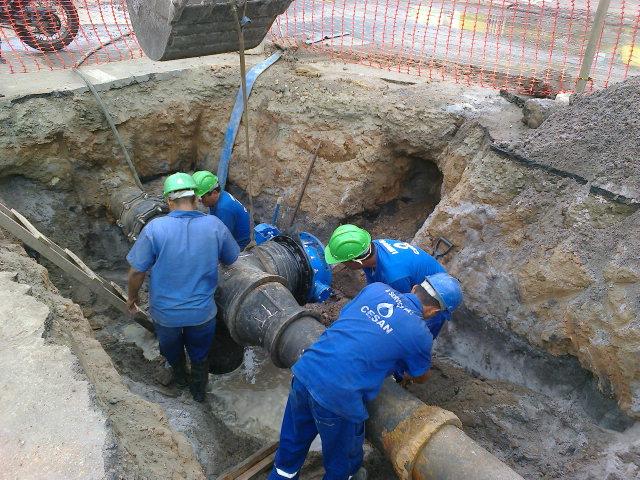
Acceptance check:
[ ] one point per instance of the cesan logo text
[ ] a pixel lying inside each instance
(376, 318)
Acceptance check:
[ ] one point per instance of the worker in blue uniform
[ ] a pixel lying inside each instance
(181, 252)
(224, 206)
(380, 331)
(396, 263)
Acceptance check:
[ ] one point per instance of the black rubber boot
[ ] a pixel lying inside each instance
(199, 380)
(179, 373)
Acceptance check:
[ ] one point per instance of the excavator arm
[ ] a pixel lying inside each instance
(171, 29)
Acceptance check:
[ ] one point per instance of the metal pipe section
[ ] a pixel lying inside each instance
(258, 307)
(133, 209)
(450, 454)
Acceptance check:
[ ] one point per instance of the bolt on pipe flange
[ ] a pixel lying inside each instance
(133, 209)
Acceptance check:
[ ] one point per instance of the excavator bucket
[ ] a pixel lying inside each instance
(170, 29)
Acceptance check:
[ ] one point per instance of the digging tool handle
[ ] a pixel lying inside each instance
(304, 185)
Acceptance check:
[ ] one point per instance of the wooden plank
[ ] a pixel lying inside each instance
(81, 264)
(35, 240)
(247, 464)
(119, 290)
(27, 224)
(261, 466)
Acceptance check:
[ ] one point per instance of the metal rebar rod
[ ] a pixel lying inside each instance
(304, 185)
(245, 98)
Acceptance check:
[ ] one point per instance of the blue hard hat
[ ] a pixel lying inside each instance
(444, 288)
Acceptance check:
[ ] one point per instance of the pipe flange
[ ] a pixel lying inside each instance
(278, 325)
(409, 437)
(301, 291)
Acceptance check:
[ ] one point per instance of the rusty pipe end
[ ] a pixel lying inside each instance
(451, 454)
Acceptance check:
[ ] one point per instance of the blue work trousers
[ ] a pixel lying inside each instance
(197, 340)
(304, 419)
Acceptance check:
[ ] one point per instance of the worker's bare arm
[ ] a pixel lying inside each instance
(407, 380)
(135, 280)
(422, 378)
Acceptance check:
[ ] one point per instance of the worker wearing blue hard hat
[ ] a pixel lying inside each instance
(379, 332)
(396, 263)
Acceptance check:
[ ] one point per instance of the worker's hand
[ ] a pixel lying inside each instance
(132, 304)
(406, 381)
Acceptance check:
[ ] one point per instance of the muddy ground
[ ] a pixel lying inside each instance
(391, 152)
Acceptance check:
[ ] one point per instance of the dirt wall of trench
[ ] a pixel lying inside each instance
(145, 445)
(543, 257)
(362, 127)
(538, 255)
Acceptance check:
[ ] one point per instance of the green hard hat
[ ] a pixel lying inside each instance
(205, 182)
(178, 181)
(346, 243)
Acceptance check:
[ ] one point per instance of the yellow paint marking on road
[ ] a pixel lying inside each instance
(630, 54)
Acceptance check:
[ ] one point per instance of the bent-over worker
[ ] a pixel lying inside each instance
(396, 263)
(181, 252)
(224, 206)
(380, 331)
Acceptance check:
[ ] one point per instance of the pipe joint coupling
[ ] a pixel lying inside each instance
(134, 209)
(276, 324)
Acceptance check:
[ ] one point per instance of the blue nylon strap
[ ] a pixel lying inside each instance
(236, 117)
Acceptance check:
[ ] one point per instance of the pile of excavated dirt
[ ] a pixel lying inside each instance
(596, 137)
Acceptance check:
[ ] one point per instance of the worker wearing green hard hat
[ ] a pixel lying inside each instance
(348, 242)
(224, 206)
(179, 185)
(393, 262)
(205, 182)
(181, 252)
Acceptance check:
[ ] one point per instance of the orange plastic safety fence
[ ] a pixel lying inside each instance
(52, 34)
(532, 46)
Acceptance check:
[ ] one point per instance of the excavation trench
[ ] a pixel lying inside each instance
(388, 164)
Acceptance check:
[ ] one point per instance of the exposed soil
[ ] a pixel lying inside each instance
(390, 155)
(146, 445)
(541, 432)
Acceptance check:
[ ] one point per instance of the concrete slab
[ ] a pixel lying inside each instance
(49, 427)
(110, 75)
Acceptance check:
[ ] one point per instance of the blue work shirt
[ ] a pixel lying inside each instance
(402, 265)
(181, 252)
(379, 332)
(235, 216)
